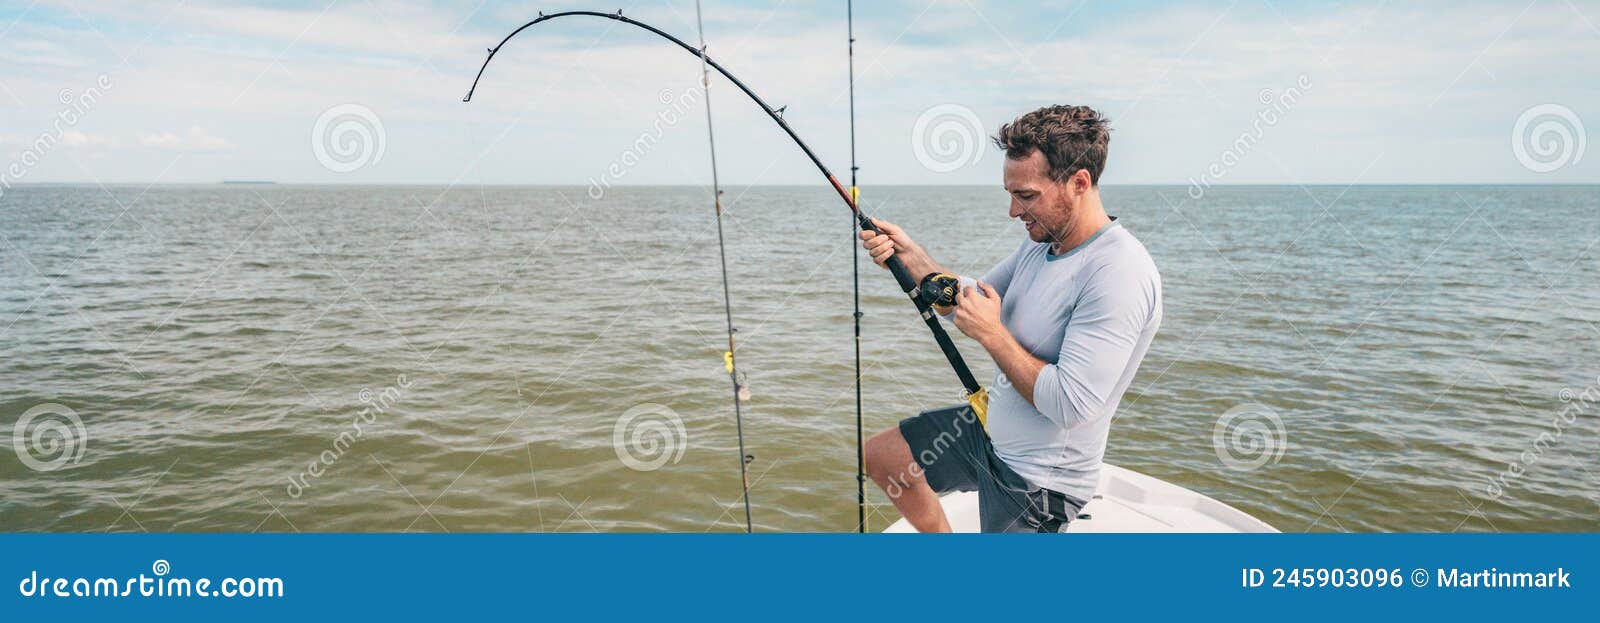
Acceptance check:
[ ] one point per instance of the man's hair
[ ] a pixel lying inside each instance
(1070, 137)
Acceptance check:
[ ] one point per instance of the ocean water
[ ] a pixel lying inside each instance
(284, 358)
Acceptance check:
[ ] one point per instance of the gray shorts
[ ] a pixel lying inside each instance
(955, 455)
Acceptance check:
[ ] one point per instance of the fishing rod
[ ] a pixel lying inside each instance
(976, 395)
(855, 275)
(727, 296)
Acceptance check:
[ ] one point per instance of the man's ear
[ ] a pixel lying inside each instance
(1081, 182)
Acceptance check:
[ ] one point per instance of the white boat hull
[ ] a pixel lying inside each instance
(1127, 501)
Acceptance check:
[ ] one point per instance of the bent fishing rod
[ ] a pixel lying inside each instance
(977, 396)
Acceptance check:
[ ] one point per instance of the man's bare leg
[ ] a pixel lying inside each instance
(890, 464)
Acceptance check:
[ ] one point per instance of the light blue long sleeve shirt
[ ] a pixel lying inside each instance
(1090, 315)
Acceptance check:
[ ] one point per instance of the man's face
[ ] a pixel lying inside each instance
(1045, 206)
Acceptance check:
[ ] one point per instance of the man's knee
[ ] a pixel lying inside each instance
(886, 454)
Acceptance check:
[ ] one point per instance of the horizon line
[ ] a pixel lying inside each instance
(14, 185)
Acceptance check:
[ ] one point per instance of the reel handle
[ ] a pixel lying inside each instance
(940, 290)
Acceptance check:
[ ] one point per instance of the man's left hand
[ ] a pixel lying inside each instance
(977, 313)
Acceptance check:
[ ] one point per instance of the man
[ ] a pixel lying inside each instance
(1066, 318)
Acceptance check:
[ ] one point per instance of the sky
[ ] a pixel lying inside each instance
(369, 91)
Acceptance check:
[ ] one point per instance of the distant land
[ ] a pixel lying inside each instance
(248, 182)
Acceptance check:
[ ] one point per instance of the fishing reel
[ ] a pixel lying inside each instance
(939, 289)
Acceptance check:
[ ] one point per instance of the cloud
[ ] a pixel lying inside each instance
(1434, 88)
(195, 140)
(74, 138)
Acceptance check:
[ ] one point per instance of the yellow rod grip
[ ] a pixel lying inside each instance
(980, 405)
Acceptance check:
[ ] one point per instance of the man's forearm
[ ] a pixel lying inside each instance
(1019, 365)
(919, 264)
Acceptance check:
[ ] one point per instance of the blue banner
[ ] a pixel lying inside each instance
(757, 577)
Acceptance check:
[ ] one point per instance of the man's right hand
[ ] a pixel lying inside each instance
(880, 247)
(894, 242)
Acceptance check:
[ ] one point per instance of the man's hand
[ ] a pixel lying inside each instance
(880, 247)
(895, 242)
(977, 314)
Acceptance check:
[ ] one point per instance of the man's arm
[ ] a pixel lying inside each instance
(1100, 342)
(1020, 366)
(977, 314)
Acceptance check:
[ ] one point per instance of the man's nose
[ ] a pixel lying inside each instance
(1015, 209)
